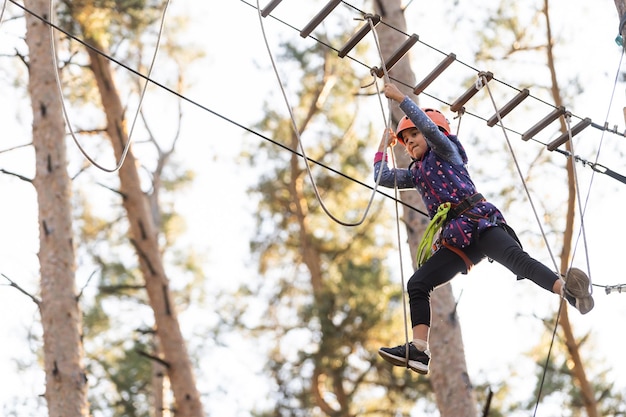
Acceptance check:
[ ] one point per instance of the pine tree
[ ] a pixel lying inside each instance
(66, 381)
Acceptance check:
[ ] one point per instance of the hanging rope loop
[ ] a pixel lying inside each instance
(126, 149)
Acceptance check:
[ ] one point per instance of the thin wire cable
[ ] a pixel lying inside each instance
(139, 106)
(301, 145)
(209, 110)
(547, 362)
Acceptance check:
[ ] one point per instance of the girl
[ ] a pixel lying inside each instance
(472, 227)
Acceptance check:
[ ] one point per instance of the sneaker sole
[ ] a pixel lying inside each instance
(577, 283)
(415, 366)
(584, 305)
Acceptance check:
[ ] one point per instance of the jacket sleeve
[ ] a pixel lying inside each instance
(390, 178)
(436, 139)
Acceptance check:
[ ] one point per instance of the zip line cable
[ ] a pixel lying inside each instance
(143, 93)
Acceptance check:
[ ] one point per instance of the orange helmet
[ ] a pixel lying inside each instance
(435, 115)
(439, 119)
(404, 124)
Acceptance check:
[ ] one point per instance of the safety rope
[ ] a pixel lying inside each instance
(139, 106)
(583, 208)
(397, 205)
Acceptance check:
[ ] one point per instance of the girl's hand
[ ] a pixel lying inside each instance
(389, 137)
(393, 92)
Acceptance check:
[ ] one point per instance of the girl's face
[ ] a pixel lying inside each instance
(414, 142)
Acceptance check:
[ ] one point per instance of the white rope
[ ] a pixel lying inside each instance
(143, 93)
(521, 175)
(396, 199)
(301, 145)
(4, 6)
(580, 207)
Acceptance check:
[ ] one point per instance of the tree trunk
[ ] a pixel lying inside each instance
(66, 384)
(144, 238)
(449, 377)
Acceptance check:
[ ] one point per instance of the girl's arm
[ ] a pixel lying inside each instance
(401, 178)
(390, 178)
(436, 139)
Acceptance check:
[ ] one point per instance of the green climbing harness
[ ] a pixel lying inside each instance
(424, 250)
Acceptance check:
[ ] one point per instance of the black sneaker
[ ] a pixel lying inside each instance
(576, 290)
(418, 360)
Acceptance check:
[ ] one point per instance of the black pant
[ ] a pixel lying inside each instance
(444, 264)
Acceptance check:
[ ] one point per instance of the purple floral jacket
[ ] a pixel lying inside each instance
(441, 176)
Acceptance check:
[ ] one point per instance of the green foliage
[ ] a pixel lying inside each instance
(127, 371)
(109, 21)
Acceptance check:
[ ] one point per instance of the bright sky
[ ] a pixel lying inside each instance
(497, 315)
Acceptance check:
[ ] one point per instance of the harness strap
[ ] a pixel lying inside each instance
(445, 213)
(468, 262)
(465, 205)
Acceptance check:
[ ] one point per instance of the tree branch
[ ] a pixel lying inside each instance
(23, 291)
(23, 178)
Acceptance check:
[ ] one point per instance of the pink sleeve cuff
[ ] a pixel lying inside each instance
(379, 157)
